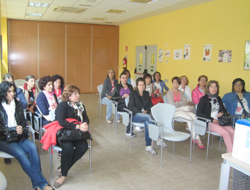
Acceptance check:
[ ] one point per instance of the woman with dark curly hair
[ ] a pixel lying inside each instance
(58, 83)
(71, 107)
(25, 151)
(232, 99)
(46, 100)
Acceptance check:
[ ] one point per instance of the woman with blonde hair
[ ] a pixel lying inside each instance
(108, 88)
(211, 107)
(186, 89)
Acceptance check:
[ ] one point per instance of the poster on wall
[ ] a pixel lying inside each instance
(178, 54)
(225, 56)
(160, 55)
(167, 53)
(187, 51)
(247, 56)
(207, 52)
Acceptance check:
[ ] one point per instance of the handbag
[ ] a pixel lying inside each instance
(225, 119)
(64, 135)
(12, 136)
(245, 114)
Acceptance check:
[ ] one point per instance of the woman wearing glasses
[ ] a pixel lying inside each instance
(211, 107)
(237, 98)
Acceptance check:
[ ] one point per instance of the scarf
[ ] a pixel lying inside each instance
(79, 109)
(51, 99)
(10, 110)
(213, 96)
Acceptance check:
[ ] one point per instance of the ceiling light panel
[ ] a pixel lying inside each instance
(99, 18)
(116, 11)
(36, 4)
(34, 14)
(143, 1)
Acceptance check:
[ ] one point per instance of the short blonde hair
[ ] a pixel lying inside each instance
(68, 91)
(185, 77)
(108, 72)
(210, 84)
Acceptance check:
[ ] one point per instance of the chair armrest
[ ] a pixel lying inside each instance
(158, 123)
(206, 120)
(30, 129)
(182, 118)
(129, 111)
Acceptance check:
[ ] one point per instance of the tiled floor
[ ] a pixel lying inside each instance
(116, 166)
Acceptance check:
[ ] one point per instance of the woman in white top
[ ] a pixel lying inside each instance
(186, 90)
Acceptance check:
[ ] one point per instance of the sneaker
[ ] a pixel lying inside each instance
(118, 121)
(163, 143)
(149, 149)
(139, 128)
(7, 161)
(129, 134)
(108, 121)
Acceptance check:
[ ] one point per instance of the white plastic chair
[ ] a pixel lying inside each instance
(115, 112)
(164, 113)
(99, 104)
(3, 182)
(20, 82)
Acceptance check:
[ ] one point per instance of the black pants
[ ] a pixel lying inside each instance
(70, 154)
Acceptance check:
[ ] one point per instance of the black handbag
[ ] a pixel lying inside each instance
(64, 135)
(225, 119)
(12, 136)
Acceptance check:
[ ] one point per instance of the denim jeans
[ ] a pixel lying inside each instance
(142, 117)
(26, 153)
(108, 102)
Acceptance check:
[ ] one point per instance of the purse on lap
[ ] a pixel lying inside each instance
(245, 114)
(225, 119)
(12, 136)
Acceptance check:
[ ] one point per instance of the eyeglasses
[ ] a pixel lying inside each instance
(237, 84)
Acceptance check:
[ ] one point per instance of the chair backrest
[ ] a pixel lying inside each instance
(165, 99)
(19, 82)
(200, 127)
(153, 132)
(164, 113)
(99, 88)
(3, 182)
(125, 118)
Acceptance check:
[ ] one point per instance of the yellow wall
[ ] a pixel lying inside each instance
(4, 34)
(222, 23)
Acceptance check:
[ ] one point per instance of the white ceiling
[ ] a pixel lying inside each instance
(17, 9)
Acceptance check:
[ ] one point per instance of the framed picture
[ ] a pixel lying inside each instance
(247, 56)
(160, 55)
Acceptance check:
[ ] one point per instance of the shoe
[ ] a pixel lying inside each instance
(200, 147)
(108, 121)
(118, 121)
(129, 134)
(49, 186)
(7, 161)
(149, 149)
(58, 172)
(163, 143)
(56, 184)
(59, 156)
(139, 128)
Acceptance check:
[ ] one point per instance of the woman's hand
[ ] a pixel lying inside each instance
(125, 96)
(109, 97)
(19, 129)
(215, 121)
(31, 109)
(220, 114)
(84, 127)
(145, 112)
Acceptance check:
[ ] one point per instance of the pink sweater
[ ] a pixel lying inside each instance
(196, 95)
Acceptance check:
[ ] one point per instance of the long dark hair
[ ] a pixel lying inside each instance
(159, 74)
(242, 82)
(4, 87)
(56, 77)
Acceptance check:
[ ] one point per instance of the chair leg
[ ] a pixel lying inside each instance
(51, 163)
(125, 133)
(220, 141)
(90, 158)
(208, 138)
(131, 132)
(212, 141)
(152, 148)
(161, 150)
(173, 148)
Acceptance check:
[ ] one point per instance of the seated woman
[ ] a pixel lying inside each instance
(25, 151)
(121, 92)
(46, 100)
(19, 93)
(58, 83)
(140, 104)
(108, 89)
(71, 107)
(130, 80)
(178, 99)
(155, 96)
(30, 93)
(160, 84)
(198, 92)
(186, 90)
(232, 99)
(211, 107)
